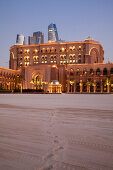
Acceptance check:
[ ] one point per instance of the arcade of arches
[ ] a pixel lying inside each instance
(90, 81)
(72, 79)
(10, 79)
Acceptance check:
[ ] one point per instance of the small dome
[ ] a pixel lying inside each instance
(55, 82)
(89, 39)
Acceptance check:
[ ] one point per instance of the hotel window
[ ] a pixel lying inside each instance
(26, 51)
(51, 57)
(52, 49)
(20, 58)
(79, 56)
(21, 64)
(84, 72)
(70, 61)
(54, 57)
(72, 48)
(43, 50)
(79, 61)
(35, 51)
(48, 50)
(26, 58)
(91, 71)
(35, 59)
(79, 48)
(98, 71)
(72, 58)
(111, 71)
(63, 59)
(26, 63)
(44, 59)
(62, 49)
(20, 52)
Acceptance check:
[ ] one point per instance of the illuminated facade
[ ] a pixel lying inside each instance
(77, 66)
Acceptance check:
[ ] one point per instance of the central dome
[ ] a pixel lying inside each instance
(55, 82)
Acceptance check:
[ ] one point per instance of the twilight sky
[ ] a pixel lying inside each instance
(75, 21)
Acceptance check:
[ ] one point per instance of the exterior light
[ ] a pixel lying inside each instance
(63, 49)
(54, 66)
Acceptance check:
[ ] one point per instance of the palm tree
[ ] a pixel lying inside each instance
(89, 82)
(81, 84)
(94, 85)
(108, 83)
(71, 81)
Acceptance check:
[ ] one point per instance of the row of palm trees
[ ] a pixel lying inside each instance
(108, 82)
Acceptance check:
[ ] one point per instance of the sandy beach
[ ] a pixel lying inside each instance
(56, 132)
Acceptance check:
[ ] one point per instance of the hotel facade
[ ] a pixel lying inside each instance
(59, 67)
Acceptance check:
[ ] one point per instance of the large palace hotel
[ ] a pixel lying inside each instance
(58, 67)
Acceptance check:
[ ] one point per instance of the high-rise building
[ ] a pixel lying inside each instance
(52, 33)
(20, 39)
(38, 38)
(31, 40)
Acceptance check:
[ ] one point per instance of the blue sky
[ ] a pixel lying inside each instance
(75, 20)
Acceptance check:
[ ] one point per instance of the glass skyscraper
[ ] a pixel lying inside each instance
(20, 39)
(38, 38)
(52, 33)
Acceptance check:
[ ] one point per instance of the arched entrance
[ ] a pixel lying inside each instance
(37, 82)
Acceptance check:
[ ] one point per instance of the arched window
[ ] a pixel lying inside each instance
(105, 71)
(84, 72)
(71, 72)
(78, 71)
(111, 71)
(98, 71)
(91, 71)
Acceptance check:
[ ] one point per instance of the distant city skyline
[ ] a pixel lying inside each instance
(75, 20)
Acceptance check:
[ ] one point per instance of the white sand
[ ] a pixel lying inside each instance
(60, 132)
